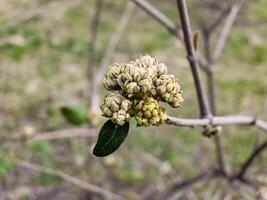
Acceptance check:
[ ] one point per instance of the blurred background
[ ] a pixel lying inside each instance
(46, 63)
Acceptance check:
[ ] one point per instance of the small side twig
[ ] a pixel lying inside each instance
(157, 15)
(217, 22)
(73, 180)
(66, 133)
(114, 40)
(226, 29)
(184, 184)
(166, 22)
(244, 168)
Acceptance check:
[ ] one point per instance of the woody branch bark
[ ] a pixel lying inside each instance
(244, 168)
(91, 69)
(192, 58)
(165, 21)
(218, 121)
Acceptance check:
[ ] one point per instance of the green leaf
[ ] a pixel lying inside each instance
(74, 114)
(110, 137)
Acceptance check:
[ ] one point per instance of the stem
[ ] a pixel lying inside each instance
(191, 55)
(251, 158)
(71, 179)
(212, 96)
(157, 15)
(114, 40)
(91, 69)
(218, 121)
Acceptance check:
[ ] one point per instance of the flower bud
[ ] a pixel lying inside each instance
(168, 89)
(148, 112)
(147, 61)
(162, 69)
(116, 107)
(110, 80)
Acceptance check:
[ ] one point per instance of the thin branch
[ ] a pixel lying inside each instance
(226, 29)
(212, 96)
(217, 22)
(159, 16)
(73, 180)
(114, 41)
(91, 69)
(240, 175)
(21, 19)
(191, 55)
(184, 184)
(66, 133)
(218, 121)
(166, 22)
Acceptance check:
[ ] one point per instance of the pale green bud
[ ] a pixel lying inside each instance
(149, 112)
(147, 61)
(116, 107)
(162, 69)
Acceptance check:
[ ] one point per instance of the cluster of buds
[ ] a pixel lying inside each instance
(116, 107)
(137, 87)
(148, 111)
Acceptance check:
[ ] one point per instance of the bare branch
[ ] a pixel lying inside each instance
(219, 121)
(169, 194)
(115, 38)
(226, 29)
(91, 69)
(191, 55)
(217, 22)
(157, 15)
(249, 161)
(166, 22)
(66, 133)
(212, 96)
(73, 180)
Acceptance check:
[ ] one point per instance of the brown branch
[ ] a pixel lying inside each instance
(114, 40)
(260, 148)
(212, 96)
(218, 121)
(183, 185)
(226, 29)
(166, 22)
(158, 16)
(217, 22)
(73, 180)
(66, 133)
(191, 55)
(91, 69)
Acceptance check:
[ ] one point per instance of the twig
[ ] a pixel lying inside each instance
(240, 175)
(66, 133)
(183, 184)
(115, 38)
(157, 15)
(212, 96)
(91, 69)
(75, 181)
(217, 22)
(191, 55)
(20, 19)
(166, 22)
(226, 29)
(219, 121)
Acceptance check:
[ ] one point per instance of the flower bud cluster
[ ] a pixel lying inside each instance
(116, 107)
(148, 111)
(142, 84)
